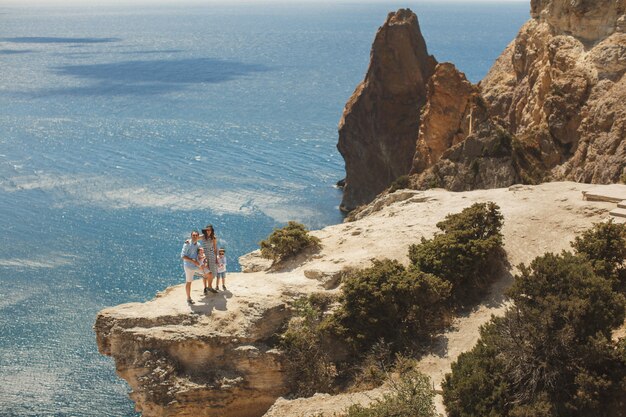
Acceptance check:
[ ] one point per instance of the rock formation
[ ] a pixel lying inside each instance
(553, 106)
(378, 129)
(560, 88)
(459, 146)
(210, 359)
(587, 20)
(218, 357)
(446, 117)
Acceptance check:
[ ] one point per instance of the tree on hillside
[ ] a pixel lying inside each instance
(604, 246)
(551, 354)
(288, 241)
(468, 252)
(403, 307)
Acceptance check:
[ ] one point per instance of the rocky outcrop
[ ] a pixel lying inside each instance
(378, 129)
(587, 20)
(218, 357)
(560, 88)
(552, 107)
(446, 118)
(460, 147)
(209, 359)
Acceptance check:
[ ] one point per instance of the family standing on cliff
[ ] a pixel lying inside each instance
(201, 257)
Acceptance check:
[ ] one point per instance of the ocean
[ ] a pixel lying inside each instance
(123, 128)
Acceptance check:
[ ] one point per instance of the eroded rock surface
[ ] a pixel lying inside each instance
(553, 107)
(447, 116)
(560, 88)
(378, 129)
(460, 146)
(588, 20)
(209, 359)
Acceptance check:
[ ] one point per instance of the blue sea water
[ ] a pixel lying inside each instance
(122, 128)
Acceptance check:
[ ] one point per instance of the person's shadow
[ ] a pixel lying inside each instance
(210, 301)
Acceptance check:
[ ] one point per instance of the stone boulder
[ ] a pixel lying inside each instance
(254, 262)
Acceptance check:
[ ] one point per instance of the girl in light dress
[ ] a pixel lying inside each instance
(204, 268)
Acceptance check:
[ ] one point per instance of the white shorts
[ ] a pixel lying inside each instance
(189, 272)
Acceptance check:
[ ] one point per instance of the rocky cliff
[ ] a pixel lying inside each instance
(210, 359)
(560, 88)
(459, 145)
(218, 357)
(586, 20)
(377, 131)
(552, 107)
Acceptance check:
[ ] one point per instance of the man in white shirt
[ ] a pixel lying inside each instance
(189, 255)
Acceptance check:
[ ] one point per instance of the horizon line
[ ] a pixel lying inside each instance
(97, 3)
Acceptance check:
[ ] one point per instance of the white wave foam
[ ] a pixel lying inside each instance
(53, 261)
(112, 193)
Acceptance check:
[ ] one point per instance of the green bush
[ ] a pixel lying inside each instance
(399, 183)
(307, 364)
(386, 301)
(551, 354)
(434, 182)
(501, 146)
(564, 313)
(604, 246)
(468, 251)
(374, 368)
(477, 387)
(392, 306)
(563, 293)
(411, 396)
(288, 241)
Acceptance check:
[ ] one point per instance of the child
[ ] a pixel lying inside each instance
(204, 268)
(221, 269)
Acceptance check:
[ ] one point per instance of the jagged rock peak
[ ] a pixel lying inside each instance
(380, 122)
(400, 17)
(588, 20)
(446, 116)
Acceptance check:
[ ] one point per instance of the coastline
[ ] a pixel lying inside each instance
(230, 333)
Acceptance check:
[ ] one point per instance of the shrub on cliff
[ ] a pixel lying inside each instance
(468, 251)
(307, 364)
(411, 395)
(287, 241)
(604, 246)
(387, 301)
(551, 354)
(373, 369)
(400, 183)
